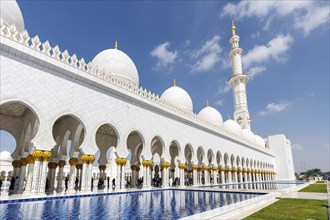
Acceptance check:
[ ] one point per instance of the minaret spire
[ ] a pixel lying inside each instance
(174, 82)
(233, 28)
(238, 81)
(116, 45)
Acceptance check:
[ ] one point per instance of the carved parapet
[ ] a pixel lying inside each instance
(61, 163)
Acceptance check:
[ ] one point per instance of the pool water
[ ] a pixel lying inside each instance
(273, 186)
(161, 204)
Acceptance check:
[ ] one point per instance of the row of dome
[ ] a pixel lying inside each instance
(121, 65)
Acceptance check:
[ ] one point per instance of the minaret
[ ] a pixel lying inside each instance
(238, 81)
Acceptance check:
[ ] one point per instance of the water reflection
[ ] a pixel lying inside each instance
(167, 204)
(258, 186)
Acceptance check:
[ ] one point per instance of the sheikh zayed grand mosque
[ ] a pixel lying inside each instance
(63, 111)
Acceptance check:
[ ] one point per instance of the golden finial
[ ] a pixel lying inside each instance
(116, 45)
(228, 116)
(174, 82)
(207, 103)
(233, 25)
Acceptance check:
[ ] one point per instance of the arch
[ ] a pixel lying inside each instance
(238, 161)
(71, 130)
(210, 156)
(232, 160)
(135, 142)
(18, 118)
(226, 159)
(188, 153)
(157, 146)
(106, 136)
(200, 155)
(219, 157)
(243, 162)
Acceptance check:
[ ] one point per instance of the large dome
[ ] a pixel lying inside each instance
(211, 115)
(248, 135)
(11, 14)
(178, 97)
(117, 63)
(5, 156)
(233, 127)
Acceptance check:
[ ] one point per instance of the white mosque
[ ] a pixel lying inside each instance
(62, 111)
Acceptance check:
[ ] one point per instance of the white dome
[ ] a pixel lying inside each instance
(260, 141)
(117, 63)
(178, 97)
(211, 115)
(233, 127)
(11, 14)
(248, 135)
(5, 156)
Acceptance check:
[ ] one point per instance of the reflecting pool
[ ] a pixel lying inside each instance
(160, 204)
(272, 186)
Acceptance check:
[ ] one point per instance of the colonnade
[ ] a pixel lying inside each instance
(35, 173)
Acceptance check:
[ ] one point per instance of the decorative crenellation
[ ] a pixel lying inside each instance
(10, 31)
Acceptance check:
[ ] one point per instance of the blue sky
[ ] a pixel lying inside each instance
(286, 54)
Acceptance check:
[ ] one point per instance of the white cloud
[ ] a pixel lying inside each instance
(297, 147)
(220, 102)
(275, 50)
(307, 15)
(254, 71)
(207, 56)
(224, 88)
(164, 56)
(275, 108)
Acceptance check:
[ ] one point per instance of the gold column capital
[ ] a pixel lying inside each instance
(61, 163)
(102, 167)
(182, 165)
(37, 155)
(85, 158)
(73, 161)
(166, 164)
(46, 155)
(194, 167)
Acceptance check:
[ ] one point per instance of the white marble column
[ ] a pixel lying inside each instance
(235, 176)
(37, 155)
(206, 175)
(72, 178)
(222, 174)
(230, 178)
(83, 173)
(60, 175)
(165, 171)
(52, 170)
(21, 178)
(194, 168)
(43, 174)
(29, 177)
(181, 173)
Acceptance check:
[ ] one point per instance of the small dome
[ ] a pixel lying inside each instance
(233, 127)
(178, 97)
(248, 135)
(11, 14)
(117, 63)
(211, 115)
(5, 156)
(260, 141)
